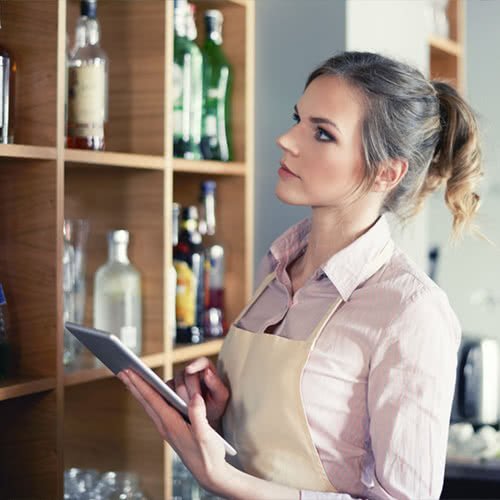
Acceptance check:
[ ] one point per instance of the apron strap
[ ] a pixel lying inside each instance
(258, 292)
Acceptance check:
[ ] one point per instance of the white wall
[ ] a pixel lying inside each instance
(470, 272)
(292, 38)
(398, 29)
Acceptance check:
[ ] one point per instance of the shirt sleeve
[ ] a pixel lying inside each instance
(410, 392)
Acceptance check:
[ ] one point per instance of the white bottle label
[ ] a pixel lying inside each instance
(86, 100)
(210, 126)
(128, 335)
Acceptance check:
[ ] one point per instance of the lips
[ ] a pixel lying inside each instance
(284, 167)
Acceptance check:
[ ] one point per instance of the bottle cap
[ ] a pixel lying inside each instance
(176, 208)
(88, 8)
(214, 14)
(2, 296)
(118, 236)
(190, 212)
(208, 187)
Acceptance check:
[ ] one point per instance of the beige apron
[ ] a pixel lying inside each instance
(265, 419)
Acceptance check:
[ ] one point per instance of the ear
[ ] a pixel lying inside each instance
(390, 174)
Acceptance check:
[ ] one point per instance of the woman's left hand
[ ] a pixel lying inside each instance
(197, 444)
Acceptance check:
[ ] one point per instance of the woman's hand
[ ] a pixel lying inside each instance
(200, 377)
(197, 444)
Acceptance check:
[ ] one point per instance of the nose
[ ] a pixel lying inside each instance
(287, 143)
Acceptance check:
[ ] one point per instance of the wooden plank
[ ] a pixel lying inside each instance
(22, 151)
(189, 352)
(88, 371)
(23, 386)
(149, 162)
(210, 167)
(445, 45)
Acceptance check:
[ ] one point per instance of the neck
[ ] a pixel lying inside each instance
(332, 231)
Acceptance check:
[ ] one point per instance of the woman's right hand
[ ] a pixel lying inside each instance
(200, 377)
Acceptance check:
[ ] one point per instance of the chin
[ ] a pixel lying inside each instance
(287, 195)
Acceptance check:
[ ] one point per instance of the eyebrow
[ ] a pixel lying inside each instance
(319, 120)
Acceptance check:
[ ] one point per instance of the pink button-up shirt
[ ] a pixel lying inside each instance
(378, 386)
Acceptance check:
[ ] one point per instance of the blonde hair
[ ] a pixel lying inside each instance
(427, 123)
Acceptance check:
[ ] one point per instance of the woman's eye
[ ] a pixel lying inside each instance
(296, 118)
(323, 136)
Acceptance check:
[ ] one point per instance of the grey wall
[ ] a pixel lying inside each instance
(470, 272)
(292, 37)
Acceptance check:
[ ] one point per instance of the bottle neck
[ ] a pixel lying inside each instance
(189, 225)
(209, 205)
(87, 32)
(215, 36)
(117, 252)
(180, 22)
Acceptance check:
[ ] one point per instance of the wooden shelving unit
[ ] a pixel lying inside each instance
(447, 54)
(53, 418)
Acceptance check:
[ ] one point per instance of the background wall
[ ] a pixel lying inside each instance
(290, 42)
(470, 272)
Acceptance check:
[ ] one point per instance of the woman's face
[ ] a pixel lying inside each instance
(323, 148)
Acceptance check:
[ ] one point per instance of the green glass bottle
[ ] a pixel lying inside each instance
(186, 79)
(217, 79)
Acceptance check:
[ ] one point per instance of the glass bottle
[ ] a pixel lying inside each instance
(172, 276)
(5, 341)
(214, 317)
(217, 80)
(186, 79)
(189, 257)
(117, 294)
(87, 83)
(8, 70)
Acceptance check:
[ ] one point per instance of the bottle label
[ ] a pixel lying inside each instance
(128, 335)
(210, 126)
(177, 82)
(213, 93)
(86, 100)
(185, 299)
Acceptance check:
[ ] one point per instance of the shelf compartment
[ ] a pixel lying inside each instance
(23, 386)
(210, 167)
(189, 352)
(88, 372)
(28, 152)
(230, 215)
(27, 447)
(133, 36)
(105, 428)
(444, 66)
(445, 46)
(29, 32)
(28, 263)
(128, 160)
(122, 198)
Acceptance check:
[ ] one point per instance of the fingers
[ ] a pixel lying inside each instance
(218, 391)
(180, 386)
(198, 365)
(198, 417)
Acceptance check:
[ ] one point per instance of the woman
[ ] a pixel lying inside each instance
(336, 381)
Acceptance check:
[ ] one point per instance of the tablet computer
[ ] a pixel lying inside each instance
(117, 357)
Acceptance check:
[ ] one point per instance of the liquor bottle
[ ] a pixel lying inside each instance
(187, 85)
(214, 318)
(5, 341)
(87, 83)
(8, 70)
(217, 80)
(172, 273)
(117, 294)
(189, 264)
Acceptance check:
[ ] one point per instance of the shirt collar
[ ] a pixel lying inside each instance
(343, 269)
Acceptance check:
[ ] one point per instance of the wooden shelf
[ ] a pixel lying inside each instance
(127, 160)
(186, 353)
(23, 386)
(34, 152)
(210, 167)
(88, 372)
(445, 46)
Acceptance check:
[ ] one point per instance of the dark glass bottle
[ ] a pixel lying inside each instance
(217, 79)
(6, 361)
(8, 69)
(188, 256)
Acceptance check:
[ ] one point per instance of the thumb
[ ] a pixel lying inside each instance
(198, 417)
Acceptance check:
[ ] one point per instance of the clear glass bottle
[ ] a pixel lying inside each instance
(172, 273)
(214, 315)
(87, 83)
(117, 294)
(217, 82)
(187, 77)
(8, 70)
(189, 255)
